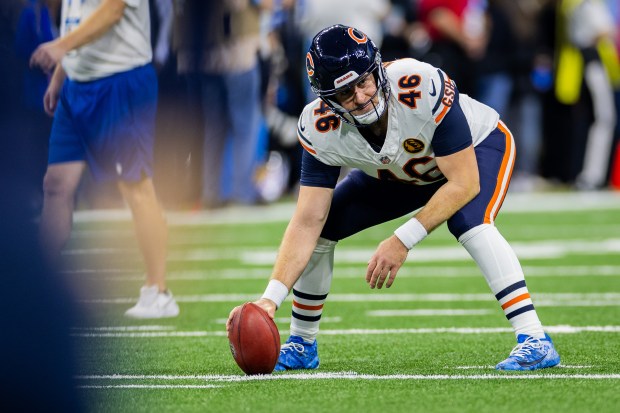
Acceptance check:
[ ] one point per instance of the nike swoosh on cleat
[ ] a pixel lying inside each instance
(531, 363)
(434, 92)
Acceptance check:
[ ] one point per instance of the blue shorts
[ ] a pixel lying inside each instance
(109, 123)
(361, 201)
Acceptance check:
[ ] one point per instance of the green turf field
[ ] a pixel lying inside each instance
(427, 344)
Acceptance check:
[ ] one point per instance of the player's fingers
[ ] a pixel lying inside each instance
(267, 305)
(382, 277)
(49, 104)
(230, 317)
(372, 265)
(393, 272)
(376, 274)
(34, 58)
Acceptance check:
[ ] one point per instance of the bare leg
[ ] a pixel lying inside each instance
(150, 226)
(59, 186)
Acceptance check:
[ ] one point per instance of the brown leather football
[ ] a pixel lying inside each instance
(254, 340)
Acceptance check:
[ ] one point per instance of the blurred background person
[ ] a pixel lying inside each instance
(38, 356)
(531, 77)
(36, 24)
(587, 48)
(457, 32)
(103, 96)
(578, 109)
(614, 8)
(217, 46)
(494, 66)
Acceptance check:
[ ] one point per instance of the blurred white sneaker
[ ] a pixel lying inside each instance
(153, 304)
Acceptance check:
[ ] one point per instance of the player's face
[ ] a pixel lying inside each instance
(357, 98)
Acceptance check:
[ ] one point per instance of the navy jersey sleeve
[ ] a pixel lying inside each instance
(453, 133)
(316, 173)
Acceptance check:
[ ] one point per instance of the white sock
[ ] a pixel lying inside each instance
(310, 291)
(502, 270)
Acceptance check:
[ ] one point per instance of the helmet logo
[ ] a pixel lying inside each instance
(309, 64)
(345, 79)
(412, 145)
(354, 36)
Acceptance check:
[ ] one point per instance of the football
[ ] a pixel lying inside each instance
(254, 340)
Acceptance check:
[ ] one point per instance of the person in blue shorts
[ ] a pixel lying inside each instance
(103, 96)
(415, 144)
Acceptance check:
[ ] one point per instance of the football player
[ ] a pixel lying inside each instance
(414, 142)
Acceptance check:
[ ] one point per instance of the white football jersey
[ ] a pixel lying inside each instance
(421, 96)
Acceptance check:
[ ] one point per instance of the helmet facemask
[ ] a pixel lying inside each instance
(338, 59)
(382, 94)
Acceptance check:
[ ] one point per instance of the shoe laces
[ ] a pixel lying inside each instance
(526, 348)
(298, 347)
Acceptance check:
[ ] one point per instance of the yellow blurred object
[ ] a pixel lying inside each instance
(611, 61)
(569, 75)
(569, 63)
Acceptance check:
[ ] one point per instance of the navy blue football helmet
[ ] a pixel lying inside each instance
(338, 58)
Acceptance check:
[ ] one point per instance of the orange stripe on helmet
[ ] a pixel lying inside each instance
(359, 40)
(503, 178)
(309, 64)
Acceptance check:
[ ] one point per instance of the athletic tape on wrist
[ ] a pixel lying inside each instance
(276, 291)
(411, 232)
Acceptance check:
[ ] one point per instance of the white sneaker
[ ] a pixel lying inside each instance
(153, 304)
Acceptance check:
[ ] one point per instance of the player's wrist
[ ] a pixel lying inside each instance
(411, 233)
(276, 291)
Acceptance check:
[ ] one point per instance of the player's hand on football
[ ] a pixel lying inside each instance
(267, 305)
(385, 262)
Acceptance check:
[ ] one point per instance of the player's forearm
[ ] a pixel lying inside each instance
(94, 26)
(451, 197)
(58, 77)
(295, 251)
(299, 241)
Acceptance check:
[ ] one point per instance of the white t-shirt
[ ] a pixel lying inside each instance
(125, 46)
(589, 20)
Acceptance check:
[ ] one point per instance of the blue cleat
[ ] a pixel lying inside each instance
(296, 354)
(531, 354)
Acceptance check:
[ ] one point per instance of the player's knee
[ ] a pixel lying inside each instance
(472, 232)
(57, 186)
(138, 193)
(460, 225)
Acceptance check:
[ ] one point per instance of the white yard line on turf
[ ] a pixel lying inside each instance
(426, 312)
(566, 299)
(353, 271)
(561, 366)
(288, 320)
(525, 250)
(151, 386)
(561, 329)
(266, 256)
(282, 212)
(356, 376)
(125, 328)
